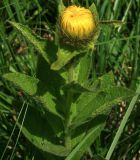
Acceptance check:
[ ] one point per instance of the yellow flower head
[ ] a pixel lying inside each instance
(77, 22)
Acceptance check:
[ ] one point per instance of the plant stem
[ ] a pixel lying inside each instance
(68, 109)
(123, 123)
(67, 122)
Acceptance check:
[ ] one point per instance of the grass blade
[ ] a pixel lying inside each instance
(12, 131)
(12, 155)
(123, 123)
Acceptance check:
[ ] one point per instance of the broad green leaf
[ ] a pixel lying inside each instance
(64, 55)
(26, 83)
(37, 130)
(80, 132)
(100, 103)
(35, 88)
(52, 81)
(95, 87)
(45, 47)
(81, 148)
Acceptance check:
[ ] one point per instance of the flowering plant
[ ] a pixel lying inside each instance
(67, 106)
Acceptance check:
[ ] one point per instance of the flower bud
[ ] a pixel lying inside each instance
(77, 23)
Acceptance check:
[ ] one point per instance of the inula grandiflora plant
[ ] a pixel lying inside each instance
(68, 106)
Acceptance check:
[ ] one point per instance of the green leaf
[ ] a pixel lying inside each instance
(76, 87)
(64, 55)
(106, 81)
(90, 102)
(50, 78)
(95, 87)
(35, 88)
(93, 9)
(61, 6)
(45, 47)
(91, 136)
(82, 69)
(26, 83)
(80, 132)
(37, 130)
(101, 83)
(52, 82)
(50, 103)
(101, 103)
(78, 137)
(81, 74)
